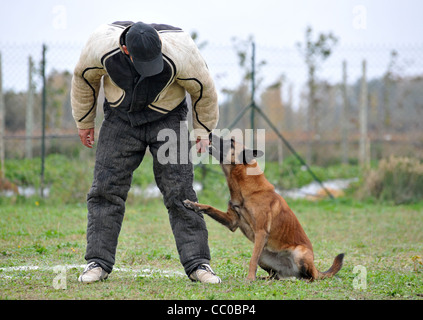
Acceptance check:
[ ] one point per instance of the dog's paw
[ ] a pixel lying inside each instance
(251, 278)
(191, 205)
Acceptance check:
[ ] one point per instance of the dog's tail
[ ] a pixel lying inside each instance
(336, 266)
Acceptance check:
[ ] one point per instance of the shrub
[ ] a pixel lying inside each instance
(397, 179)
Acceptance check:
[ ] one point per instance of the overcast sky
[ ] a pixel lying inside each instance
(276, 26)
(271, 22)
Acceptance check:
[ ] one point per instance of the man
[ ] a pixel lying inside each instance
(146, 70)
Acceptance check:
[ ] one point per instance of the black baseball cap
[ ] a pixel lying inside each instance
(145, 48)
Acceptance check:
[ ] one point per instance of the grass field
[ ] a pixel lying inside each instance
(383, 246)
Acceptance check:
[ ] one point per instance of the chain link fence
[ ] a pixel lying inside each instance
(394, 98)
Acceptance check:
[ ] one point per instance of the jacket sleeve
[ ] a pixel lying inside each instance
(86, 83)
(197, 81)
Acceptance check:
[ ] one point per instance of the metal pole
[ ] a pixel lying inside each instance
(43, 121)
(29, 122)
(363, 156)
(253, 87)
(2, 124)
(239, 116)
(294, 152)
(344, 115)
(254, 107)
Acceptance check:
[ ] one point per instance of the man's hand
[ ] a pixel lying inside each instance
(87, 137)
(202, 145)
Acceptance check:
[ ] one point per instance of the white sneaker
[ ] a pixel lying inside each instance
(92, 273)
(204, 274)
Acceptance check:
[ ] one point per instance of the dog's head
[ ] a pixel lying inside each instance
(230, 152)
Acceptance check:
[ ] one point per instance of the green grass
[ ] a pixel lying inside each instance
(69, 179)
(386, 240)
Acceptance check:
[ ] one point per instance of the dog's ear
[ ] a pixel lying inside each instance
(247, 155)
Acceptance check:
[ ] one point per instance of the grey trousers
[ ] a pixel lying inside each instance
(120, 150)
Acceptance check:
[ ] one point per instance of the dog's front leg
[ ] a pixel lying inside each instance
(228, 219)
(260, 240)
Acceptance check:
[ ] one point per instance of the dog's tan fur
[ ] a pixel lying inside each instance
(281, 247)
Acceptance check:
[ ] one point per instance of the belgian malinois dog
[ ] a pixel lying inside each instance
(281, 247)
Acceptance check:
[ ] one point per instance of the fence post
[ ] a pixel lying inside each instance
(364, 141)
(29, 120)
(2, 124)
(253, 90)
(344, 115)
(43, 120)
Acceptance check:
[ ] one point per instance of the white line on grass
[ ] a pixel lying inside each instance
(145, 272)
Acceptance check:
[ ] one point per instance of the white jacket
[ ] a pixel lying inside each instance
(184, 71)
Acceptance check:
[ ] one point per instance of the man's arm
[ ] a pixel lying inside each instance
(198, 82)
(85, 87)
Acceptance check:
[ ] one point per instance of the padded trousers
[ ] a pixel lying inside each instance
(120, 150)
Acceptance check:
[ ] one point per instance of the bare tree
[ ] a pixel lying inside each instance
(314, 52)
